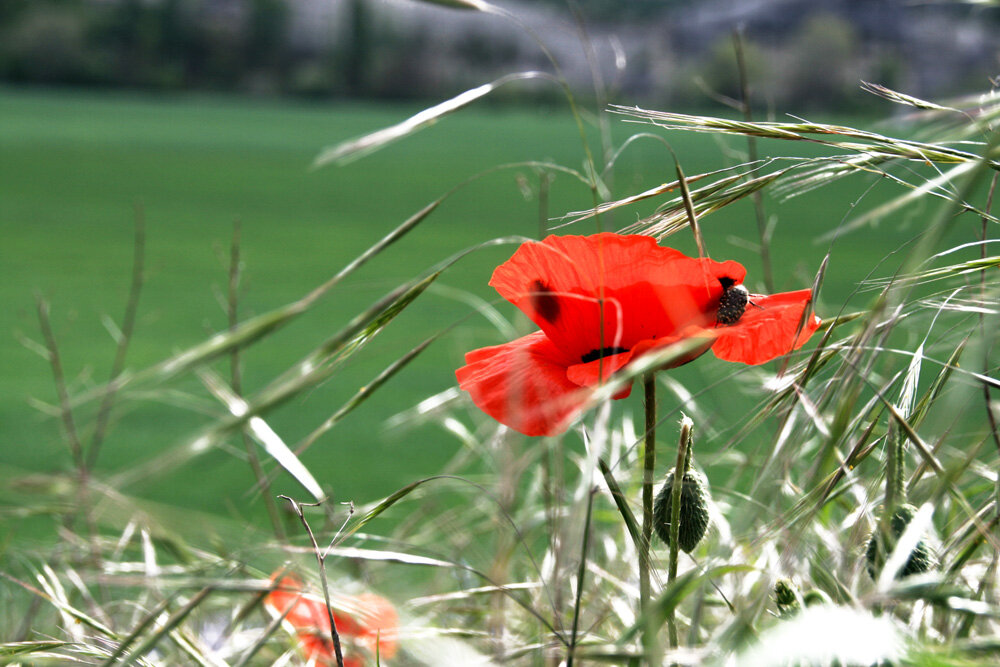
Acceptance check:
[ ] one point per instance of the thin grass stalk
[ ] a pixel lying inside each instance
(648, 466)
(72, 434)
(271, 627)
(948, 485)
(982, 318)
(600, 88)
(260, 326)
(876, 144)
(544, 180)
(560, 79)
(236, 382)
(689, 208)
(65, 409)
(141, 627)
(554, 493)
(581, 572)
(895, 486)
(680, 469)
(125, 336)
(398, 495)
(79, 617)
(363, 395)
(987, 401)
(756, 196)
(321, 560)
(631, 525)
(506, 486)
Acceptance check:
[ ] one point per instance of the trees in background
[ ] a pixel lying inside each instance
(798, 55)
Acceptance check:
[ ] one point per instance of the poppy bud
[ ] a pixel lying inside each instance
(815, 597)
(694, 517)
(921, 559)
(786, 597)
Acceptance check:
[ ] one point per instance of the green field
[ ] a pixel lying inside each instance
(73, 166)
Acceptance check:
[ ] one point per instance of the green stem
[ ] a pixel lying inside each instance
(895, 475)
(649, 462)
(580, 574)
(321, 559)
(680, 469)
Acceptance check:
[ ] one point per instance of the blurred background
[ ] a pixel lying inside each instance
(201, 117)
(800, 54)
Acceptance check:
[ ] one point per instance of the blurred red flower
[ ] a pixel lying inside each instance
(366, 621)
(602, 301)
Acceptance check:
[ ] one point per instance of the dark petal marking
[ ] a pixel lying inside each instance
(594, 355)
(544, 302)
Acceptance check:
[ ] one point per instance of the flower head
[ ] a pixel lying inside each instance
(601, 302)
(365, 621)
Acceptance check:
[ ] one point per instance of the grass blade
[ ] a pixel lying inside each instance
(359, 147)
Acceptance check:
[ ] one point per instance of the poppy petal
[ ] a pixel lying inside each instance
(592, 373)
(648, 291)
(705, 340)
(380, 624)
(523, 384)
(304, 612)
(318, 649)
(767, 329)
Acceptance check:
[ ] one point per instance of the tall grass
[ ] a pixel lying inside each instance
(530, 551)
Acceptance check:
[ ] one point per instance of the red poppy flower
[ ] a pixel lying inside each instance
(602, 301)
(318, 649)
(366, 621)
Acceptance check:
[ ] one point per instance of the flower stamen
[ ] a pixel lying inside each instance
(732, 303)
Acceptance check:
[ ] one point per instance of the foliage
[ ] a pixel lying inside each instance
(527, 551)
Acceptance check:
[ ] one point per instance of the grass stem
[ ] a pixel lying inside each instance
(757, 196)
(581, 572)
(321, 559)
(648, 465)
(263, 483)
(124, 338)
(680, 468)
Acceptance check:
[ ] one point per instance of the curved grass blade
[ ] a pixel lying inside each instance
(13, 649)
(359, 147)
(260, 326)
(874, 144)
(265, 436)
(619, 497)
(364, 393)
(903, 98)
(148, 620)
(315, 368)
(168, 626)
(62, 606)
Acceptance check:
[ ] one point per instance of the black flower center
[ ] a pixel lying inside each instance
(594, 355)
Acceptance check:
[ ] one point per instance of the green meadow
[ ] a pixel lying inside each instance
(77, 169)
(850, 487)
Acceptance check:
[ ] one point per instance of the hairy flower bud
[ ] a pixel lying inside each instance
(921, 559)
(786, 598)
(694, 516)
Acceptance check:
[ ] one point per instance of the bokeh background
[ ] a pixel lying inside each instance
(199, 116)
(800, 54)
